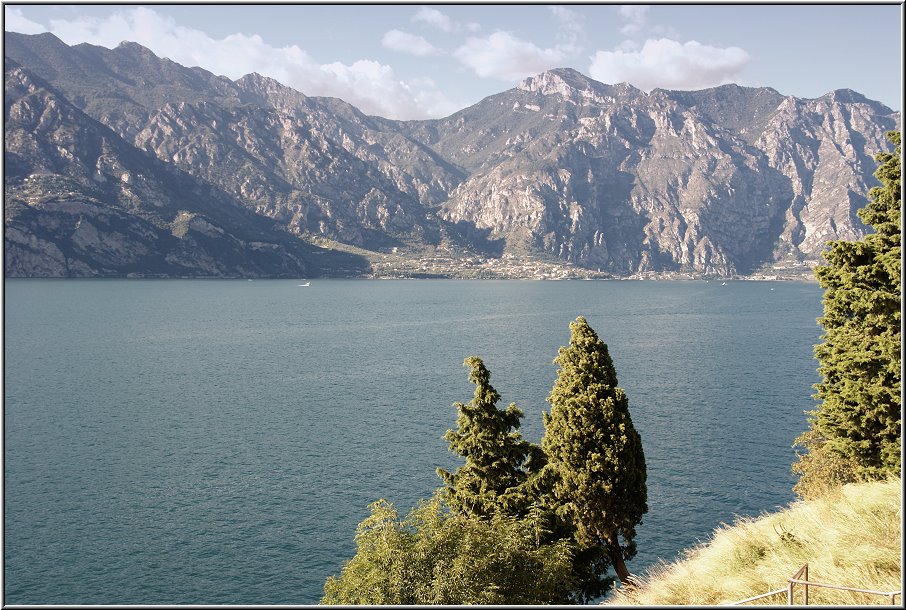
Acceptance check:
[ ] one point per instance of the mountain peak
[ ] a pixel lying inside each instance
(559, 80)
(264, 90)
(570, 83)
(134, 47)
(847, 96)
(254, 79)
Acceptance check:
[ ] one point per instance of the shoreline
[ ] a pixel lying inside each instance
(804, 278)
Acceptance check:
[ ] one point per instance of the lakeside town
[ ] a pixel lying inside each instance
(391, 264)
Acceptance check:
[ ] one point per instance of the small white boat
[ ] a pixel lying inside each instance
(306, 284)
(723, 283)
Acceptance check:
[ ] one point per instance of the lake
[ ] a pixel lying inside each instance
(218, 441)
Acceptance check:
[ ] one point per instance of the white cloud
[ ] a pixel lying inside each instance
(431, 99)
(662, 60)
(442, 22)
(635, 18)
(570, 29)
(507, 57)
(15, 21)
(435, 18)
(669, 64)
(502, 55)
(369, 85)
(408, 43)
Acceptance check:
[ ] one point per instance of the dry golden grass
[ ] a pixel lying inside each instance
(851, 537)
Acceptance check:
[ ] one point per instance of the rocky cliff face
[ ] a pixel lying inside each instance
(207, 176)
(719, 181)
(81, 202)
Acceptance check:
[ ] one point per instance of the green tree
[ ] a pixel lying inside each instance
(497, 458)
(856, 430)
(501, 477)
(437, 556)
(595, 462)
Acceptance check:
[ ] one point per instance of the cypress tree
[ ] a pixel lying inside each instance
(497, 457)
(595, 461)
(857, 426)
(503, 476)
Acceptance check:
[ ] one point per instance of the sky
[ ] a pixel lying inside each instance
(414, 61)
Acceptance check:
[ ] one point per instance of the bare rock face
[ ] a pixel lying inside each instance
(122, 162)
(81, 202)
(609, 177)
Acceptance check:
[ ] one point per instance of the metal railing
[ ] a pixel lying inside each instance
(801, 578)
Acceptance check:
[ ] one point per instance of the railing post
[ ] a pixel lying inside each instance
(796, 576)
(805, 578)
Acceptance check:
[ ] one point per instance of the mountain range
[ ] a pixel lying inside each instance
(122, 163)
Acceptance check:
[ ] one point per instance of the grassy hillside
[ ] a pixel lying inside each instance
(851, 538)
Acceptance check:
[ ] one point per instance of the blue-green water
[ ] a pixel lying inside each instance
(216, 442)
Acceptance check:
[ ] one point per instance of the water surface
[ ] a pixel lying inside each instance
(216, 442)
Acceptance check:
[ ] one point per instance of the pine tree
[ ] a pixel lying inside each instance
(595, 461)
(856, 430)
(498, 459)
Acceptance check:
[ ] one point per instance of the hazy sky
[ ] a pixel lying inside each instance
(418, 61)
